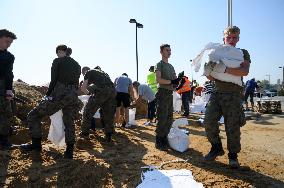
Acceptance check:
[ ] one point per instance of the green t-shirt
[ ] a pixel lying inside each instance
(228, 86)
(98, 77)
(167, 73)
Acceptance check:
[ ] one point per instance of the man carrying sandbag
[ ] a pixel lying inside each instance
(99, 85)
(226, 100)
(62, 94)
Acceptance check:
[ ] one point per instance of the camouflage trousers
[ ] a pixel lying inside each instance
(6, 115)
(65, 98)
(103, 98)
(228, 105)
(164, 111)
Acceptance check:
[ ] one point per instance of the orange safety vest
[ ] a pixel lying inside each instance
(185, 87)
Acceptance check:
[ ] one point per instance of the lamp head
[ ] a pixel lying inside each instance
(139, 25)
(132, 21)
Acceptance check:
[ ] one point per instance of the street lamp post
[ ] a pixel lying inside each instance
(138, 25)
(283, 75)
(191, 69)
(268, 79)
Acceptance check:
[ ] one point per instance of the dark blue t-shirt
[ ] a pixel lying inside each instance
(251, 85)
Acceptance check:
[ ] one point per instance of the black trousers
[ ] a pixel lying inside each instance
(152, 109)
(185, 97)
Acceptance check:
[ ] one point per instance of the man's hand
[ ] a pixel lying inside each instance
(220, 68)
(181, 74)
(92, 88)
(175, 81)
(46, 98)
(9, 94)
(208, 68)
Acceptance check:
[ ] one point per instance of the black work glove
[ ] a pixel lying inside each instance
(175, 81)
(181, 74)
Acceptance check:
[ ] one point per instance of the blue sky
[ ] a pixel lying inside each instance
(99, 33)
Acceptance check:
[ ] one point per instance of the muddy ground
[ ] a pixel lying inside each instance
(99, 164)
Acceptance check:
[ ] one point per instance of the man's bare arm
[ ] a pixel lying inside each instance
(161, 80)
(131, 92)
(210, 78)
(243, 70)
(84, 87)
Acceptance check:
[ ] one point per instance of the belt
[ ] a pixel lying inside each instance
(106, 86)
(71, 86)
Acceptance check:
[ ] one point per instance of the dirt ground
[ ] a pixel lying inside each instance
(97, 164)
(118, 164)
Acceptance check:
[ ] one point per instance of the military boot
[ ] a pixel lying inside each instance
(160, 143)
(68, 154)
(108, 137)
(252, 106)
(165, 141)
(233, 160)
(4, 143)
(247, 108)
(34, 146)
(216, 150)
(185, 114)
(84, 135)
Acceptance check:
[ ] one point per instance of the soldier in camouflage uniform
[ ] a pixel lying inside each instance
(102, 90)
(167, 82)
(6, 85)
(226, 100)
(62, 94)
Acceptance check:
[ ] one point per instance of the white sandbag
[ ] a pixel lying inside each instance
(177, 102)
(97, 114)
(232, 57)
(177, 106)
(169, 179)
(57, 129)
(84, 99)
(198, 106)
(225, 77)
(180, 122)
(178, 139)
(222, 120)
(206, 98)
(132, 112)
(198, 100)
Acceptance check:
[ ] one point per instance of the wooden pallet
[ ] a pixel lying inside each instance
(269, 106)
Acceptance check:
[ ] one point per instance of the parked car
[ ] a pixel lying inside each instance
(270, 93)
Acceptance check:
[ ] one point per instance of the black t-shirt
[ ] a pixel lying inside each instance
(64, 70)
(6, 68)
